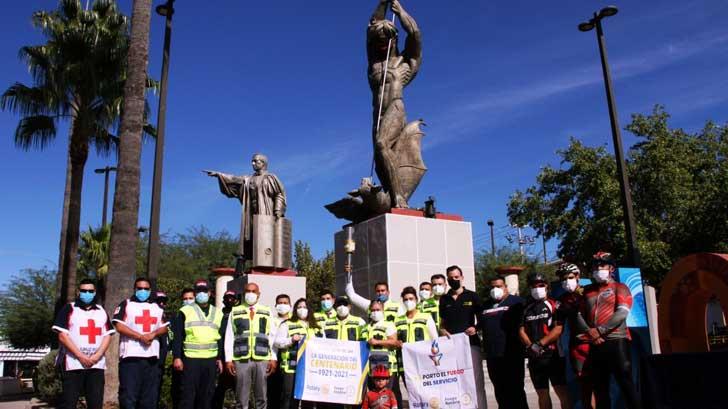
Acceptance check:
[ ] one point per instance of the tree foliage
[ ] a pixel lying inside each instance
(319, 273)
(679, 185)
(486, 264)
(26, 309)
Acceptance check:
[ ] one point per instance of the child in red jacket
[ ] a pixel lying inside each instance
(381, 397)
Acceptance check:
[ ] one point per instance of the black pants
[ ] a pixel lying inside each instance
(507, 374)
(138, 383)
(275, 389)
(613, 358)
(225, 382)
(198, 383)
(86, 382)
(176, 388)
(286, 398)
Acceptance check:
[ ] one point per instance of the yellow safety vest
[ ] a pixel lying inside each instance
(323, 316)
(201, 332)
(432, 307)
(379, 354)
(289, 356)
(411, 330)
(251, 336)
(351, 328)
(391, 310)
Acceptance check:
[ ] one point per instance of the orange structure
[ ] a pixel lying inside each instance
(685, 293)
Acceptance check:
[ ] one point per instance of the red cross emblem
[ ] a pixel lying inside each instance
(146, 321)
(91, 331)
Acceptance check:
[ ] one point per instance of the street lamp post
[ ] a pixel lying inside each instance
(165, 10)
(105, 170)
(492, 238)
(633, 255)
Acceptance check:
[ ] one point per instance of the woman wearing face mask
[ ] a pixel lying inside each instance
(413, 326)
(383, 345)
(539, 333)
(290, 333)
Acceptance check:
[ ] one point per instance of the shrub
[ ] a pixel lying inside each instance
(48, 378)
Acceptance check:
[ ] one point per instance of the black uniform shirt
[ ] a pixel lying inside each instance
(457, 315)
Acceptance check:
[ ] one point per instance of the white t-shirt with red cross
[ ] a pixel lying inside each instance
(142, 317)
(87, 328)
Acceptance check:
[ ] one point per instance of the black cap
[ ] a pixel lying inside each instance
(535, 278)
(341, 300)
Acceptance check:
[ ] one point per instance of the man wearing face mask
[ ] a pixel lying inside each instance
(499, 323)
(392, 309)
(196, 348)
(539, 331)
(428, 303)
(603, 316)
(187, 295)
(225, 381)
(250, 353)
(569, 304)
(327, 311)
(459, 311)
(275, 380)
(345, 327)
(84, 334)
(140, 322)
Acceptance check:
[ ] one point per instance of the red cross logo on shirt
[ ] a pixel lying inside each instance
(146, 321)
(91, 331)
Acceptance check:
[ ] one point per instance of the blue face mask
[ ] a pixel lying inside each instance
(327, 304)
(142, 295)
(382, 297)
(202, 298)
(87, 298)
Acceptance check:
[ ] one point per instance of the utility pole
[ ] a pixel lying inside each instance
(521, 243)
(492, 237)
(105, 170)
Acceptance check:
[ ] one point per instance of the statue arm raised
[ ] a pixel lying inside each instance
(230, 185)
(380, 11)
(413, 44)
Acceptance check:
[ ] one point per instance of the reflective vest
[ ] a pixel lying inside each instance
(378, 354)
(201, 332)
(411, 330)
(432, 307)
(323, 316)
(251, 336)
(391, 310)
(351, 328)
(289, 356)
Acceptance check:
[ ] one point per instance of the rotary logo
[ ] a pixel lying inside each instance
(325, 390)
(434, 402)
(435, 354)
(466, 399)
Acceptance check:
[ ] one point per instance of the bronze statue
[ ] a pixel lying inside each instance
(397, 144)
(260, 194)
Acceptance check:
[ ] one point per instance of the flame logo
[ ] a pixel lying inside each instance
(435, 354)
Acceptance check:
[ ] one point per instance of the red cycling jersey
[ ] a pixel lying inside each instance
(606, 307)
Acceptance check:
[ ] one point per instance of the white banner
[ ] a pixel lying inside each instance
(331, 371)
(439, 373)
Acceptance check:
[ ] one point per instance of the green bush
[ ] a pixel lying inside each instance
(48, 378)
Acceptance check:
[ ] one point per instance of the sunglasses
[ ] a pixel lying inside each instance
(143, 288)
(201, 289)
(87, 291)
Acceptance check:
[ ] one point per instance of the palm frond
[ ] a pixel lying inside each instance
(35, 131)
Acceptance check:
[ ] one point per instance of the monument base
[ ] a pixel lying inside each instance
(404, 250)
(271, 285)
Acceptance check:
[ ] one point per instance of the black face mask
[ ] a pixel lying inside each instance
(454, 284)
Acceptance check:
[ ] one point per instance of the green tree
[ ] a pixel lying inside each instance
(486, 264)
(26, 309)
(78, 74)
(319, 273)
(679, 184)
(125, 215)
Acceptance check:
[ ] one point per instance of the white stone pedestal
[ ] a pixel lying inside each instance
(271, 285)
(404, 251)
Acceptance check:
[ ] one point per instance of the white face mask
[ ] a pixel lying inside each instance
(538, 293)
(601, 276)
(438, 289)
(188, 301)
(377, 316)
(283, 309)
(410, 305)
(496, 293)
(425, 294)
(251, 298)
(570, 284)
(302, 313)
(342, 311)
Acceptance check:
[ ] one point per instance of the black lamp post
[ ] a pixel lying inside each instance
(492, 238)
(105, 170)
(165, 10)
(633, 255)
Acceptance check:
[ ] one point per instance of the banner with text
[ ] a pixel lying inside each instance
(331, 371)
(439, 373)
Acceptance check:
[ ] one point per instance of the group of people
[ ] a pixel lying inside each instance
(253, 349)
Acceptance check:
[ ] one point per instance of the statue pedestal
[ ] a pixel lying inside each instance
(511, 273)
(405, 249)
(271, 285)
(224, 276)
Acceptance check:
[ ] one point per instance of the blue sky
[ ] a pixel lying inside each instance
(503, 85)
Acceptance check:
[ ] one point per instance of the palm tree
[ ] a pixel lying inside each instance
(78, 74)
(125, 215)
(93, 260)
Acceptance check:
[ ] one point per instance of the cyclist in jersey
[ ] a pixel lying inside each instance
(603, 317)
(540, 330)
(569, 304)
